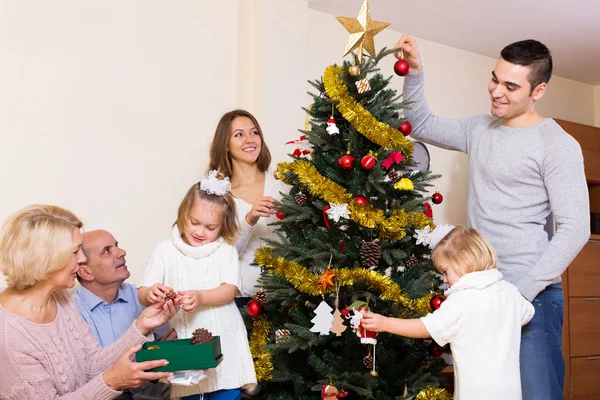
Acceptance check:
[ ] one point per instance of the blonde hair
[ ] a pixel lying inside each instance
(466, 250)
(229, 227)
(36, 241)
(220, 158)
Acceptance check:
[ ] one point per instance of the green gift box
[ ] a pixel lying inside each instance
(182, 354)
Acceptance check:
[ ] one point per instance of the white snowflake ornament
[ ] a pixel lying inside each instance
(337, 211)
(422, 235)
(430, 238)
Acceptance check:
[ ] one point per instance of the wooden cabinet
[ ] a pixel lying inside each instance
(585, 372)
(589, 140)
(584, 272)
(581, 283)
(584, 326)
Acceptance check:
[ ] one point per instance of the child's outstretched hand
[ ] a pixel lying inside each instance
(158, 292)
(190, 299)
(373, 322)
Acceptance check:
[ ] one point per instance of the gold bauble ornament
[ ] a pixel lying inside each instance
(374, 373)
(354, 70)
(404, 184)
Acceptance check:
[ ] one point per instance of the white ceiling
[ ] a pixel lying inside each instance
(570, 28)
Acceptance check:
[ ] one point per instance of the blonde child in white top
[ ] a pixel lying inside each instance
(201, 263)
(481, 317)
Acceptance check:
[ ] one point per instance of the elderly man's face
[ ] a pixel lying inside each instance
(106, 261)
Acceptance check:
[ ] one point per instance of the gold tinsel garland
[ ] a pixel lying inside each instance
(306, 281)
(364, 214)
(361, 119)
(261, 327)
(433, 393)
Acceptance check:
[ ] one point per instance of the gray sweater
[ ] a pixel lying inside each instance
(517, 176)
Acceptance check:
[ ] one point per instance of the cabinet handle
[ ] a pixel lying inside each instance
(591, 299)
(593, 358)
(592, 241)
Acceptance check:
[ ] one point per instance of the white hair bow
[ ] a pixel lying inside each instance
(432, 238)
(213, 185)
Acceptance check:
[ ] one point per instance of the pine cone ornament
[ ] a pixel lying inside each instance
(370, 253)
(412, 261)
(261, 296)
(368, 362)
(393, 175)
(301, 199)
(201, 336)
(171, 296)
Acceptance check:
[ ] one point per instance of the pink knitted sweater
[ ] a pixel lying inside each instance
(59, 360)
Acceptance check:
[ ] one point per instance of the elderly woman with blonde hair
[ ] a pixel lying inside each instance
(47, 349)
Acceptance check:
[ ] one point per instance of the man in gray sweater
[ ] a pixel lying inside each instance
(522, 166)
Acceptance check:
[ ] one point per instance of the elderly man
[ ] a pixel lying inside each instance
(107, 303)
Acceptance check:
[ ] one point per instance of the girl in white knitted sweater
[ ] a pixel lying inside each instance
(481, 318)
(200, 263)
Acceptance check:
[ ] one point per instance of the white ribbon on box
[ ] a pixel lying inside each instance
(187, 378)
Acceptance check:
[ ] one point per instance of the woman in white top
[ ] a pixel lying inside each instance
(239, 151)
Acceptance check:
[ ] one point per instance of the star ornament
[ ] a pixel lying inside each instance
(337, 211)
(326, 279)
(362, 31)
(423, 235)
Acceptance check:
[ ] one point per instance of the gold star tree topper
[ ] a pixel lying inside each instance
(362, 31)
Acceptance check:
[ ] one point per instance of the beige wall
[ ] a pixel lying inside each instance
(109, 111)
(107, 108)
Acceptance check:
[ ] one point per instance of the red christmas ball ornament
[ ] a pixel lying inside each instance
(368, 161)
(405, 128)
(253, 308)
(360, 199)
(427, 210)
(436, 350)
(437, 198)
(346, 161)
(402, 67)
(436, 301)
(280, 215)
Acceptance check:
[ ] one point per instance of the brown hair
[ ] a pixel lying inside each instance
(220, 158)
(229, 228)
(466, 250)
(36, 241)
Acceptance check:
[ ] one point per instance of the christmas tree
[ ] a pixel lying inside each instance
(346, 244)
